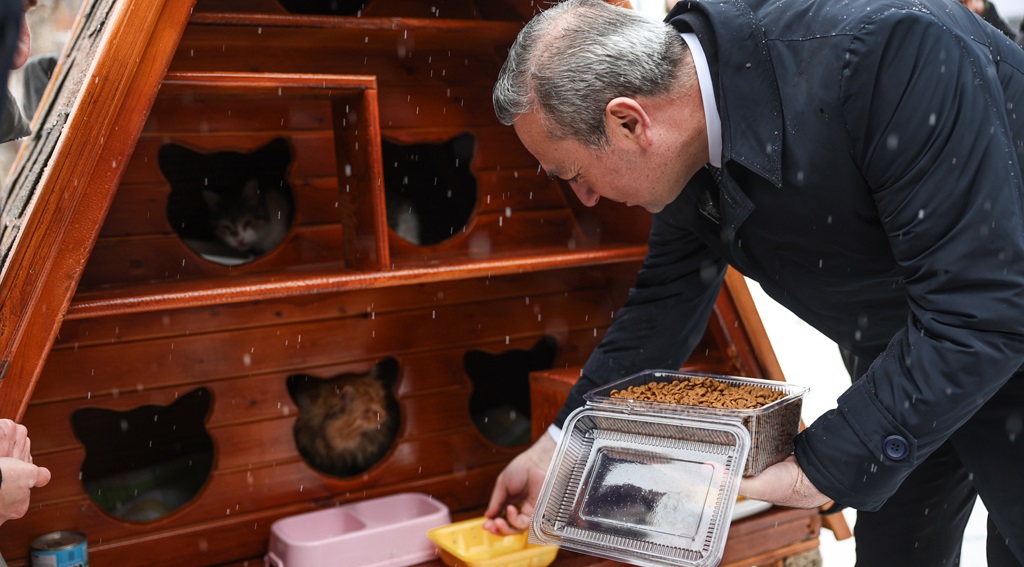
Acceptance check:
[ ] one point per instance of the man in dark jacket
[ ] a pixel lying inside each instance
(862, 161)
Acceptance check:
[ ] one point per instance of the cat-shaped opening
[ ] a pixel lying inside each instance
(144, 463)
(229, 207)
(429, 189)
(500, 403)
(346, 424)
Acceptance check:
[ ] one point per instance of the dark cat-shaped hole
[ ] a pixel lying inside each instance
(144, 463)
(346, 424)
(429, 189)
(230, 207)
(500, 403)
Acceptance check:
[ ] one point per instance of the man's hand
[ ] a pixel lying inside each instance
(518, 487)
(19, 478)
(14, 441)
(783, 484)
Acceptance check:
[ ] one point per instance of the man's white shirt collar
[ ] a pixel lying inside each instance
(707, 93)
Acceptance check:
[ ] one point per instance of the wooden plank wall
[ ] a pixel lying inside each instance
(434, 80)
(243, 353)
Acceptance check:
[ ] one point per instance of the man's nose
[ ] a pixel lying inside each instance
(586, 196)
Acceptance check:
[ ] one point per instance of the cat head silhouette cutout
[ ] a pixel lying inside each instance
(143, 463)
(240, 201)
(348, 423)
(430, 191)
(500, 402)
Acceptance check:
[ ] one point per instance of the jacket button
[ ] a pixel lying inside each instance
(896, 447)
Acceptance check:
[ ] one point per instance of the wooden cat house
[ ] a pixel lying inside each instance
(151, 363)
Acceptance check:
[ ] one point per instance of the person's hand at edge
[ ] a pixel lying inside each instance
(14, 441)
(517, 489)
(19, 478)
(783, 484)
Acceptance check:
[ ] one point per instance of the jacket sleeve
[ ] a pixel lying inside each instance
(666, 313)
(929, 124)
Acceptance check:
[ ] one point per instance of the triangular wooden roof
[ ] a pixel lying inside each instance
(66, 174)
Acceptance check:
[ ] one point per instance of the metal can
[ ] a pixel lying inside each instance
(60, 549)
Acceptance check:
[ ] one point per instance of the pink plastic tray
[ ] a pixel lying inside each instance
(383, 532)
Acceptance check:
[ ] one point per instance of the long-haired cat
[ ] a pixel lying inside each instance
(346, 424)
(228, 202)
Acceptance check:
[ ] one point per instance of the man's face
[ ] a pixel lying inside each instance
(24, 48)
(976, 6)
(618, 173)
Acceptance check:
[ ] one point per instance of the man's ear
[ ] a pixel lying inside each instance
(625, 118)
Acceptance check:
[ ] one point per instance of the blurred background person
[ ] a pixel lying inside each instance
(988, 12)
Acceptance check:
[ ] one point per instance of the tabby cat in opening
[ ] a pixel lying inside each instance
(346, 424)
(229, 203)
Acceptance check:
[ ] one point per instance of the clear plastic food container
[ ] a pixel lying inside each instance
(771, 427)
(654, 483)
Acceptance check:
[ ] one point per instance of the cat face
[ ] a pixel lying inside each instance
(349, 408)
(228, 203)
(346, 424)
(167, 444)
(239, 222)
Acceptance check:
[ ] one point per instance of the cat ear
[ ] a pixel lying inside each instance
(198, 398)
(213, 199)
(475, 361)
(82, 418)
(273, 158)
(300, 387)
(278, 151)
(178, 163)
(542, 354)
(386, 371)
(346, 395)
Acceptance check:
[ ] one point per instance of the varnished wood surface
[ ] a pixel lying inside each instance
(258, 474)
(43, 268)
(150, 321)
(756, 541)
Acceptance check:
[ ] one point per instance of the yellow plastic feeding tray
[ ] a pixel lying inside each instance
(468, 544)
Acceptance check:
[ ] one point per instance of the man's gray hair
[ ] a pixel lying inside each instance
(572, 59)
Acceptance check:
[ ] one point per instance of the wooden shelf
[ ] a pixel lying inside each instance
(421, 33)
(117, 300)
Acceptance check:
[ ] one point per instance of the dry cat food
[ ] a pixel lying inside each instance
(706, 392)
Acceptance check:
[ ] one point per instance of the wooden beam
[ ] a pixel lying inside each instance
(65, 208)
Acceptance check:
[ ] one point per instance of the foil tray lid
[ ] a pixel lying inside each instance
(646, 490)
